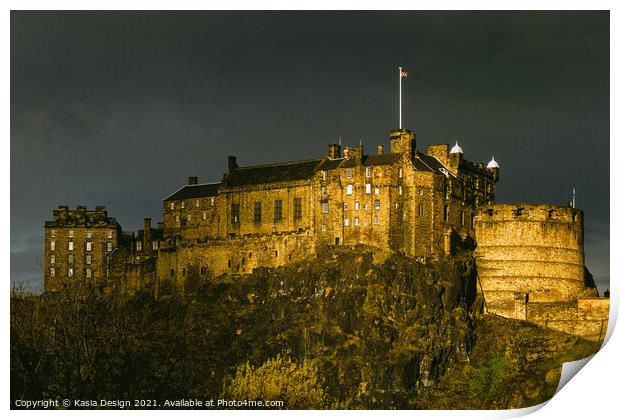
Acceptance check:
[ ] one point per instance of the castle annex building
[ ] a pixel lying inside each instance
(421, 204)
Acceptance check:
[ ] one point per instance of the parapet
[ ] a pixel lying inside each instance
(529, 212)
(81, 217)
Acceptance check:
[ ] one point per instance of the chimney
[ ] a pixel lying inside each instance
(359, 153)
(192, 180)
(63, 212)
(232, 163)
(380, 149)
(146, 236)
(334, 151)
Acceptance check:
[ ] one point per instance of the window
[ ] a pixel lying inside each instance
(70, 271)
(445, 213)
(204, 215)
(109, 246)
(421, 191)
(89, 246)
(377, 204)
(53, 246)
(183, 271)
(172, 205)
(155, 245)
(368, 172)
(70, 258)
(346, 222)
(349, 189)
(462, 218)
(323, 191)
(138, 246)
(182, 204)
(346, 206)
(109, 234)
(89, 235)
(366, 206)
(400, 190)
(52, 272)
(70, 234)
(325, 207)
(88, 259)
(277, 210)
(375, 220)
(197, 203)
(88, 272)
(396, 205)
(189, 217)
(70, 245)
(376, 190)
(297, 208)
(368, 188)
(53, 233)
(258, 212)
(420, 210)
(172, 272)
(400, 172)
(177, 218)
(212, 201)
(349, 173)
(323, 228)
(234, 213)
(52, 259)
(324, 175)
(356, 221)
(356, 206)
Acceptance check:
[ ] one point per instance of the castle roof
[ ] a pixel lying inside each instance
(276, 172)
(195, 191)
(425, 163)
(456, 149)
(329, 164)
(367, 160)
(492, 164)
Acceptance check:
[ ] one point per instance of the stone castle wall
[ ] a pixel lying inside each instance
(531, 267)
(187, 266)
(536, 250)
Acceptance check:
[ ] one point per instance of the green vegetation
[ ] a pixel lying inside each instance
(298, 385)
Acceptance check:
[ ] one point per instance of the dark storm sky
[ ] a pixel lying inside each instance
(119, 108)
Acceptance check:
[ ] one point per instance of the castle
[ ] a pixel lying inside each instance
(421, 204)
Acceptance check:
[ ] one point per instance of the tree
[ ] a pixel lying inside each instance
(298, 385)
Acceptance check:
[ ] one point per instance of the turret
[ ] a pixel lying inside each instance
(493, 166)
(456, 156)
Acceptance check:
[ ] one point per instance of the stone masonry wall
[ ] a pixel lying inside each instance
(531, 249)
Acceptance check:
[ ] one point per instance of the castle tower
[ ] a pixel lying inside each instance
(529, 250)
(403, 141)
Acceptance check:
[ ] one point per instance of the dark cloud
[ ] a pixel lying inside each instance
(118, 108)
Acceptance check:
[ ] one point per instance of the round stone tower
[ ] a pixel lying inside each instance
(528, 253)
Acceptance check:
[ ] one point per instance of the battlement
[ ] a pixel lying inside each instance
(81, 217)
(530, 212)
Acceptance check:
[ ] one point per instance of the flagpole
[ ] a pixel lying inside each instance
(400, 97)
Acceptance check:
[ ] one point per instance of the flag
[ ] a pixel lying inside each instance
(403, 73)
